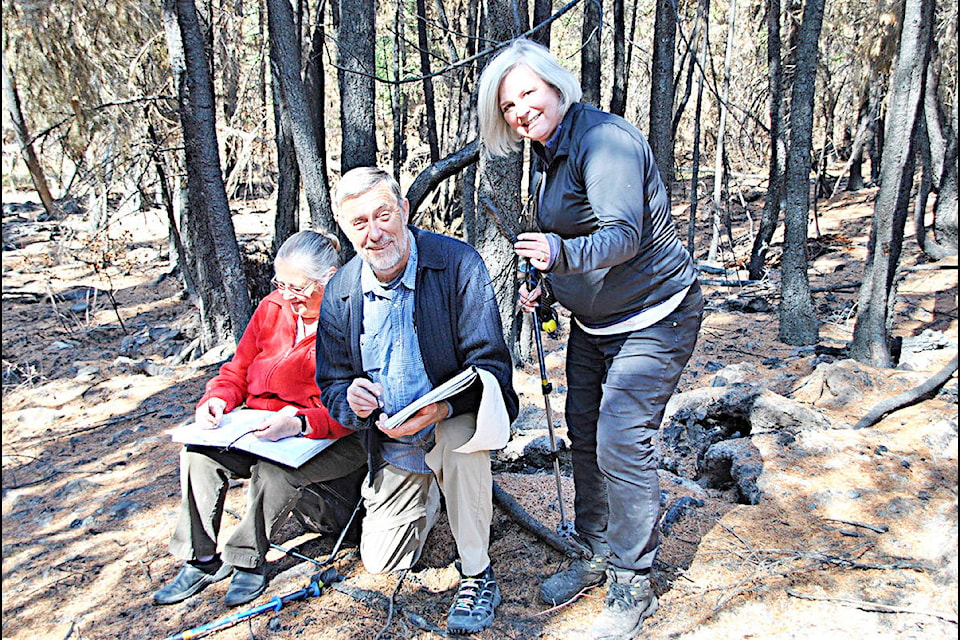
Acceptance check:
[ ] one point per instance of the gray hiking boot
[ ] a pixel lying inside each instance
(630, 600)
(566, 584)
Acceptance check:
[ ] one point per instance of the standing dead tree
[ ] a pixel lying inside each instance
(662, 91)
(798, 321)
(11, 100)
(778, 151)
(221, 284)
(285, 47)
(356, 68)
(721, 131)
(871, 333)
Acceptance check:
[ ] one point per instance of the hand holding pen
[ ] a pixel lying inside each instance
(365, 397)
(209, 414)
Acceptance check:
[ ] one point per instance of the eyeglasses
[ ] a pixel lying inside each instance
(297, 291)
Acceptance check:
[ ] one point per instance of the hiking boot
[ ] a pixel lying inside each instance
(246, 585)
(193, 578)
(630, 599)
(473, 608)
(566, 584)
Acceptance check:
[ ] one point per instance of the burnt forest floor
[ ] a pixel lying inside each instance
(803, 528)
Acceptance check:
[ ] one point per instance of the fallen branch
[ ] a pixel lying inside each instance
(836, 287)
(929, 267)
(875, 528)
(184, 353)
(911, 396)
(727, 283)
(528, 522)
(873, 606)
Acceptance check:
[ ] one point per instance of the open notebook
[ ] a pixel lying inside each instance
(234, 432)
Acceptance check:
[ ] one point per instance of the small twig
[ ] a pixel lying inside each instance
(146, 570)
(835, 287)
(874, 606)
(746, 544)
(70, 630)
(392, 604)
(876, 528)
(33, 482)
(185, 352)
(422, 623)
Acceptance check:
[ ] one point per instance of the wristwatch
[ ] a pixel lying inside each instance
(304, 425)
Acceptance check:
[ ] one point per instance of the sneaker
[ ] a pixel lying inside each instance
(473, 608)
(193, 578)
(246, 585)
(581, 574)
(630, 600)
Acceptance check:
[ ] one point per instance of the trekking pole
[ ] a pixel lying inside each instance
(565, 529)
(317, 583)
(300, 556)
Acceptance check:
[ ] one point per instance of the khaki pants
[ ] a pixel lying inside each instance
(402, 506)
(274, 491)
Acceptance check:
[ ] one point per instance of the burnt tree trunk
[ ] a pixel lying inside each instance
(357, 58)
(590, 52)
(701, 57)
(945, 208)
(944, 240)
(871, 333)
(314, 87)
(621, 77)
(286, 220)
(662, 91)
(429, 102)
(285, 48)
(11, 100)
(798, 321)
(221, 284)
(499, 193)
(771, 207)
(542, 9)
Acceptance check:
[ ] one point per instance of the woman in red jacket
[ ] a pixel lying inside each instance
(272, 369)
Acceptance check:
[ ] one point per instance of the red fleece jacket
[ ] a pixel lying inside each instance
(268, 371)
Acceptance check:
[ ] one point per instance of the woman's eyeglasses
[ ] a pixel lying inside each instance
(297, 291)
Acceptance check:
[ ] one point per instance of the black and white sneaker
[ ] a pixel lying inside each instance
(473, 608)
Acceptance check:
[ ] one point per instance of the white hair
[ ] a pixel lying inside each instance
(314, 253)
(498, 137)
(359, 180)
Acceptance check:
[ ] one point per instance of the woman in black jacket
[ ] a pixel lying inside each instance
(609, 251)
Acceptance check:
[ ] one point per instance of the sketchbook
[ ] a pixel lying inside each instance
(448, 389)
(234, 432)
(493, 423)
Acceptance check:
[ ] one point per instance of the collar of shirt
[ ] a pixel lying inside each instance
(370, 285)
(547, 151)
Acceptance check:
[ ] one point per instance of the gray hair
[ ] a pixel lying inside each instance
(359, 180)
(310, 251)
(497, 136)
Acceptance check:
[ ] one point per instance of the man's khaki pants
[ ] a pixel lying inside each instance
(402, 506)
